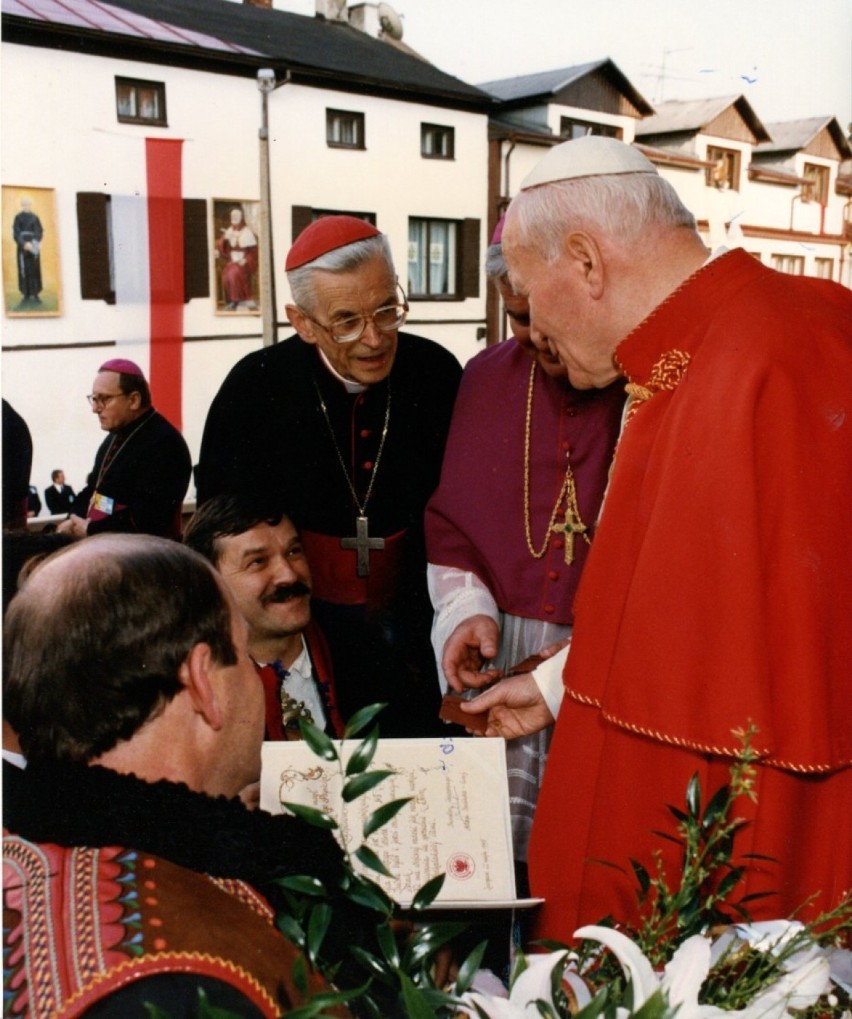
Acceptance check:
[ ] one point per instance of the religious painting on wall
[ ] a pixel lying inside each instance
(237, 256)
(31, 267)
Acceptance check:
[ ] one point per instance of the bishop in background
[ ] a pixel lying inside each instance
(346, 423)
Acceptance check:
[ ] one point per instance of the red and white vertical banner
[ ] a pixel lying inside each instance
(166, 273)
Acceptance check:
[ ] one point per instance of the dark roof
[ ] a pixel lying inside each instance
(535, 134)
(89, 16)
(691, 116)
(546, 85)
(238, 38)
(794, 135)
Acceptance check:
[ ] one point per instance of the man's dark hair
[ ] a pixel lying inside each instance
(227, 515)
(55, 474)
(92, 649)
(135, 384)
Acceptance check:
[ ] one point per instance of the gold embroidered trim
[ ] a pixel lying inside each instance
(128, 972)
(666, 374)
(245, 894)
(669, 370)
(764, 756)
(638, 392)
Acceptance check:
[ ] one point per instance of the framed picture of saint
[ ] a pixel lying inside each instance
(236, 253)
(30, 248)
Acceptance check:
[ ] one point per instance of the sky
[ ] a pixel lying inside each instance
(790, 58)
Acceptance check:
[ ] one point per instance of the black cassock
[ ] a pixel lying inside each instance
(266, 432)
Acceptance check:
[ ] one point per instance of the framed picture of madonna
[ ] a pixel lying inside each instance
(31, 276)
(236, 256)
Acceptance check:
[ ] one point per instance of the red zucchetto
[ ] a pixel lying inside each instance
(327, 234)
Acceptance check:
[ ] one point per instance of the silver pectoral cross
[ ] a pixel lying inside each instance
(362, 542)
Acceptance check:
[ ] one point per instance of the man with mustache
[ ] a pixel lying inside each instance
(259, 553)
(345, 423)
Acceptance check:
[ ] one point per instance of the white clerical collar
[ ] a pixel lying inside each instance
(351, 387)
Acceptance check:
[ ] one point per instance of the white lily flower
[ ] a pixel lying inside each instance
(797, 989)
(840, 962)
(633, 962)
(689, 966)
(534, 984)
(686, 971)
(769, 935)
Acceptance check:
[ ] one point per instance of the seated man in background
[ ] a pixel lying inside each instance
(260, 555)
(127, 678)
(58, 496)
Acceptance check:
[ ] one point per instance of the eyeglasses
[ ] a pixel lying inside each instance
(98, 402)
(347, 330)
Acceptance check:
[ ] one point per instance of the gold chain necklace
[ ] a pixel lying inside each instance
(572, 524)
(362, 543)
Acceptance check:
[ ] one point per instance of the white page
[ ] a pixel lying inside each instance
(457, 823)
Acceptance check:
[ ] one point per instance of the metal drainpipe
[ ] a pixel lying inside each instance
(800, 196)
(267, 83)
(506, 159)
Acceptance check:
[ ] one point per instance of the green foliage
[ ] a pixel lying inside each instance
(700, 902)
(396, 971)
(205, 1010)
(701, 897)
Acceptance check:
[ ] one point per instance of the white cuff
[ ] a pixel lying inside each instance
(456, 596)
(548, 679)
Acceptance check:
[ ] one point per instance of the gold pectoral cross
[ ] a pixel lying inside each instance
(573, 525)
(362, 543)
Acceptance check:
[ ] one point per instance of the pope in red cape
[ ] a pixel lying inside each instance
(717, 594)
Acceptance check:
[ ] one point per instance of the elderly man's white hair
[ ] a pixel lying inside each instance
(593, 183)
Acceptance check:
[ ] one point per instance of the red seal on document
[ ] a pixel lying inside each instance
(460, 866)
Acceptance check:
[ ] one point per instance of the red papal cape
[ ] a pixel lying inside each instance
(718, 593)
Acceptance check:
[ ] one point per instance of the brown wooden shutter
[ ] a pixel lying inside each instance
(93, 246)
(196, 251)
(302, 216)
(470, 258)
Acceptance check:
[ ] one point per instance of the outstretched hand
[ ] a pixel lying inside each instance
(468, 648)
(515, 707)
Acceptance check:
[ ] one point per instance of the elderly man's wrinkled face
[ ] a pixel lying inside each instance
(562, 313)
(518, 311)
(340, 296)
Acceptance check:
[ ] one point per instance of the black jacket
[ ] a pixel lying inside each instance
(266, 433)
(146, 479)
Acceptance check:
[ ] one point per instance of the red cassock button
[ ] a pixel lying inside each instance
(553, 575)
(549, 609)
(365, 433)
(367, 465)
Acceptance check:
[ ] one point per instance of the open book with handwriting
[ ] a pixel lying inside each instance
(456, 823)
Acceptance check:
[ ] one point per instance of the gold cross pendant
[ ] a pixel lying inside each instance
(572, 526)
